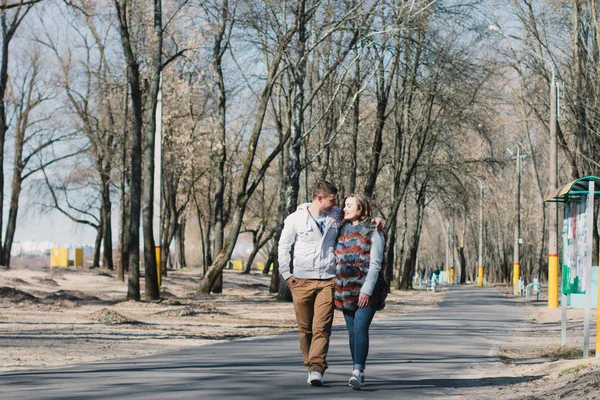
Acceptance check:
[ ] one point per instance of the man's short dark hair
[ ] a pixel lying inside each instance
(324, 188)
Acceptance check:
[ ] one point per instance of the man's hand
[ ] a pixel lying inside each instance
(378, 224)
(363, 300)
(291, 281)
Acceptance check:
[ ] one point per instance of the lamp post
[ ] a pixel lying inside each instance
(553, 217)
(516, 255)
(480, 263)
(156, 222)
(518, 240)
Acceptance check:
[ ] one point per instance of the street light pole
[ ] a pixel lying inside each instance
(516, 262)
(553, 179)
(156, 222)
(480, 263)
(553, 218)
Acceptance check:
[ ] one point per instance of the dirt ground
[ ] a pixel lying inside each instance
(537, 367)
(51, 318)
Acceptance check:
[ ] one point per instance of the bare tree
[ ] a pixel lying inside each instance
(11, 20)
(134, 80)
(139, 197)
(247, 188)
(17, 4)
(34, 133)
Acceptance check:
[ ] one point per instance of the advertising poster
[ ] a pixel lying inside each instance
(574, 246)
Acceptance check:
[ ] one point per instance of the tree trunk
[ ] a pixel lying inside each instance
(294, 166)
(179, 261)
(203, 238)
(399, 254)
(255, 249)
(410, 263)
(150, 272)
(268, 263)
(17, 181)
(133, 286)
(97, 243)
(123, 195)
(165, 218)
(8, 31)
(12, 216)
(220, 153)
(3, 125)
(463, 263)
(133, 77)
(261, 241)
(165, 224)
(107, 259)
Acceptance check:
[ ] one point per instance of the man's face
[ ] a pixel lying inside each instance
(327, 202)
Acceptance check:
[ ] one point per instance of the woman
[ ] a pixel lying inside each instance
(359, 253)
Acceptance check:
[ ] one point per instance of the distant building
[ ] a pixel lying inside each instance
(29, 248)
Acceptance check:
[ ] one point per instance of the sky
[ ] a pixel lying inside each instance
(32, 225)
(53, 226)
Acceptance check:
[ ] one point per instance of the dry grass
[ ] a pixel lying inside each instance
(575, 369)
(555, 353)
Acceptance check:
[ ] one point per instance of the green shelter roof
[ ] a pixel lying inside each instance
(574, 189)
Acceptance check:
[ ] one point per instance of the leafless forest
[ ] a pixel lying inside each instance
(414, 102)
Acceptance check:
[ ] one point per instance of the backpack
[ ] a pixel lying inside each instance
(382, 286)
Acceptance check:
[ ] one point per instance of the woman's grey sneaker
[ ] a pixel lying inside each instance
(357, 380)
(315, 378)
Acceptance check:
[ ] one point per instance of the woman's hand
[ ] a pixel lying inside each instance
(378, 224)
(363, 300)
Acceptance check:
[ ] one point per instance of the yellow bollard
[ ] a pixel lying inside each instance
(59, 257)
(516, 275)
(78, 261)
(238, 265)
(451, 282)
(553, 281)
(157, 253)
(480, 277)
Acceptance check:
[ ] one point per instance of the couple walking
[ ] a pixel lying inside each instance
(337, 258)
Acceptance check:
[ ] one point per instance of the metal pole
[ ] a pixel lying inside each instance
(448, 251)
(516, 263)
(158, 180)
(452, 253)
(480, 266)
(588, 269)
(552, 209)
(553, 217)
(568, 213)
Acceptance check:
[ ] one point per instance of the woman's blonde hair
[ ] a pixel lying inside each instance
(364, 205)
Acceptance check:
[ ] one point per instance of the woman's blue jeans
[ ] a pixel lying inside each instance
(358, 323)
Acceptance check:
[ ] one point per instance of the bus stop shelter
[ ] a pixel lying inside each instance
(578, 199)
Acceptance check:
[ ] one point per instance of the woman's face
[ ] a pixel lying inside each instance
(351, 211)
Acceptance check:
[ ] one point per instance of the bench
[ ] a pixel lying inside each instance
(521, 286)
(535, 288)
(431, 283)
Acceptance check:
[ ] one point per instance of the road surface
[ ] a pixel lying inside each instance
(442, 353)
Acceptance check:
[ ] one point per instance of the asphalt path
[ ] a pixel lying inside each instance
(442, 353)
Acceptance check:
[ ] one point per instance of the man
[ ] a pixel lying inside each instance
(311, 233)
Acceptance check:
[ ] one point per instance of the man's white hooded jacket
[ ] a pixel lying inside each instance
(313, 251)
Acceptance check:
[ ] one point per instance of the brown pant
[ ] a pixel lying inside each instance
(313, 304)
